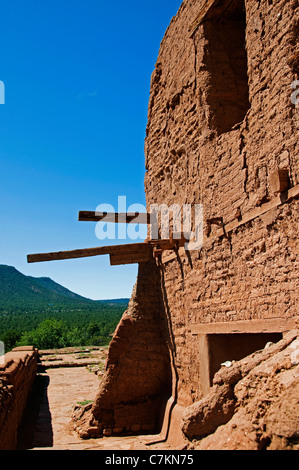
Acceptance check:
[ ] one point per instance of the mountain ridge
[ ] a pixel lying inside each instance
(22, 291)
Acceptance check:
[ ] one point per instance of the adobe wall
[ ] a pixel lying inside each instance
(17, 374)
(137, 381)
(199, 151)
(220, 121)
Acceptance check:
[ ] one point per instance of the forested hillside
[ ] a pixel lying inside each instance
(45, 314)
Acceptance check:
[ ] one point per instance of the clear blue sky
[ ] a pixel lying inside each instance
(77, 77)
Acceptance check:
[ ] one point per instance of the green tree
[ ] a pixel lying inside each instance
(50, 333)
(75, 336)
(10, 339)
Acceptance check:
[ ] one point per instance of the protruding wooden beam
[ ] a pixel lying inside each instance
(125, 218)
(85, 253)
(130, 258)
(141, 249)
(279, 180)
(168, 244)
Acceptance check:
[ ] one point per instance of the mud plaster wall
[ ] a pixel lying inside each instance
(137, 381)
(17, 374)
(213, 145)
(192, 156)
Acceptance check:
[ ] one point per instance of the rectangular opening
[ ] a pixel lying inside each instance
(226, 62)
(233, 347)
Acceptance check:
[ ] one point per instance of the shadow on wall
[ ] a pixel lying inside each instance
(36, 429)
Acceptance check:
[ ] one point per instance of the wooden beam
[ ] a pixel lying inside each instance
(169, 243)
(130, 258)
(204, 361)
(84, 253)
(268, 325)
(279, 180)
(125, 218)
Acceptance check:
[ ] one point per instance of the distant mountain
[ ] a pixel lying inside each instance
(21, 292)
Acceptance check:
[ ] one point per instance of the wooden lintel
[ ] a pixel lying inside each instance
(268, 325)
(84, 253)
(117, 218)
(279, 180)
(129, 258)
(168, 244)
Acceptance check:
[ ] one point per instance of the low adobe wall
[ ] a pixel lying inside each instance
(17, 374)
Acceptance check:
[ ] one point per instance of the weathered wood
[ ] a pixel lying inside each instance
(84, 253)
(162, 244)
(169, 243)
(165, 244)
(269, 325)
(130, 258)
(125, 218)
(279, 181)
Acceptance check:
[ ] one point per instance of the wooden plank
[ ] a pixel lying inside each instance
(204, 361)
(161, 244)
(171, 256)
(126, 218)
(292, 192)
(168, 243)
(164, 244)
(129, 258)
(279, 180)
(275, 325)
(84, 253)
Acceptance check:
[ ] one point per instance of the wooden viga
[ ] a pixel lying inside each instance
(119, 254)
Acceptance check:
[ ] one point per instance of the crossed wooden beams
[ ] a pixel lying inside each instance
(119, 254)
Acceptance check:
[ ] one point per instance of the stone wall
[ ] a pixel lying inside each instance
(17, 374)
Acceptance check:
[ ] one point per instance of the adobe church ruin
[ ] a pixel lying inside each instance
(223, 132)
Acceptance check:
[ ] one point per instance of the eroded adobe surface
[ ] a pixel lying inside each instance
(220, 122)
(253, 405)
(194, 156)
(137, 380)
